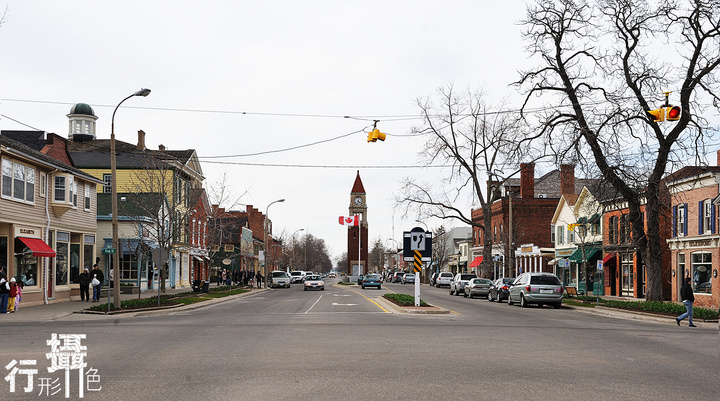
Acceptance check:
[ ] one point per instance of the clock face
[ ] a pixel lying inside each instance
(358, 200)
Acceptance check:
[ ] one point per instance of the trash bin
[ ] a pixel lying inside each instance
(206, 287)
(196, 286)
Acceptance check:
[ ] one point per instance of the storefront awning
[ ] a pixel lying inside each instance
(476, 262)
(577, 256)
(38, 247)
(608, 257)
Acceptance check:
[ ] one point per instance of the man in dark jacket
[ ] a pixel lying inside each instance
(84, 280)
(686, 293)
(98, 274)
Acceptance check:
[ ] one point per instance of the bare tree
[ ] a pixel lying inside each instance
(598, 79)
(476, 143)
(377, 255)
(440, 252)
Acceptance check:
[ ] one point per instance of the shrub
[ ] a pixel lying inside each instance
(403, 299)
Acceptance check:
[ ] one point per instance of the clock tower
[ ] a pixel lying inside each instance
(358, 235)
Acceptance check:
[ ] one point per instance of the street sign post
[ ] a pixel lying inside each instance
(417, 248)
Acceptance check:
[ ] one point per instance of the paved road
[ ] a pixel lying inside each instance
(340, 344)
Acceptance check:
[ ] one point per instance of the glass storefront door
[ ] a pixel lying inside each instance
(628, 276)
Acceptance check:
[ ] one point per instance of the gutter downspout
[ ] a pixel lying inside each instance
(47, 233)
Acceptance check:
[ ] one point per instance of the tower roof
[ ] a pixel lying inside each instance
(358, 185)
(82, 108)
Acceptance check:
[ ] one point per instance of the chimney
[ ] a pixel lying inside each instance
(527, 180)
(567, 179)
(141, 140)
(162, 147)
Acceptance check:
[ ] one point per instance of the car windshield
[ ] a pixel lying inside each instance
(482, 281)
(448, 275)
(544, 280)
(467, 276)
(372, 277)
(313, 278)
(279, 274)
(508, 280)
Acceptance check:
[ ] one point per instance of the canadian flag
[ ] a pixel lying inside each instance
(350, 221)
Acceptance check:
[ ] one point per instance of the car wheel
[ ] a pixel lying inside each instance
(523, 302)
(305, 289)
(379, 287)
(363, 287)
(451, 291)
(499, 299)
(510, 302)
(557, 305)
(489, 297)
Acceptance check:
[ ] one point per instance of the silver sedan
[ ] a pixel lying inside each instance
(477, 286)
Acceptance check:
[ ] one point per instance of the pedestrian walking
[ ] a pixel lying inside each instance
(259, 278)
(686, 293)
(97, 278)
(4, 293)
(84, 285)
(18, 298)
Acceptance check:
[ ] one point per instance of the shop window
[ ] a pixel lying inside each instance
(701, 269)
(18, 181)
(61, 263)
(129, 266)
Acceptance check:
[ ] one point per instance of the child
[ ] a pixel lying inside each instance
(20, 286)
(13, 295)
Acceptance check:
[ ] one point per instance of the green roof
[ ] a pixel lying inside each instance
(82, 108)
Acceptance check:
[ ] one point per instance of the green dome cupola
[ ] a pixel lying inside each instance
(82, 123)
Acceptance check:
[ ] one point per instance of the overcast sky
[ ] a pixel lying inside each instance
(243, 77)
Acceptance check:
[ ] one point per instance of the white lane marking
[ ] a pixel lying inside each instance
(342, 295)
(337, 304)
(313, 305)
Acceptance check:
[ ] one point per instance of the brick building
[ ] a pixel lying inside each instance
(531, 202)
(694, 240)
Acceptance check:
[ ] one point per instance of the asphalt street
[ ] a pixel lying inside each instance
(345, 343)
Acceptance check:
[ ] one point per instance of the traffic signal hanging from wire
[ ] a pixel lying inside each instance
(375, 134)
(666, 112)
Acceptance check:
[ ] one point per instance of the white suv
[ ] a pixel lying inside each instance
(444, 278)
(457, 286)
(297, 276)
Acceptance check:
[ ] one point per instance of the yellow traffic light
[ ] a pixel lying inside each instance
(657, 115)
(374, 135)
(672, 113)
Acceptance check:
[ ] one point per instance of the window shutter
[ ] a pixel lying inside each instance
(685, 220)
(674, 221)
(701, 217)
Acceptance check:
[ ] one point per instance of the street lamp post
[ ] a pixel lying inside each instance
(113, 185)
(267, 243)
(293, 239)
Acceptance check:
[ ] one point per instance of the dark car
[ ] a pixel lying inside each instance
(477, 287)
(500, 289)
(372, 280)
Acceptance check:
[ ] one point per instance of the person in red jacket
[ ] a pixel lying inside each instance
(13, 294)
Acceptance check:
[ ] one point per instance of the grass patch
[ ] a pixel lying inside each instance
(661, 308)
(403, 299)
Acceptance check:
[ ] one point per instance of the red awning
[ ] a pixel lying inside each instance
(38, 247)
(476, 262)
(608, 257)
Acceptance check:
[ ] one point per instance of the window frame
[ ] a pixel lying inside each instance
(10, 189)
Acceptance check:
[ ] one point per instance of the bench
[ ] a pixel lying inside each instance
(571, 291)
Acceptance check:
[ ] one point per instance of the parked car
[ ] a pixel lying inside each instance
(444, 278)
(372, 280)
(313, 282)
(500, 289)
(279, 279)
(408, 278)
(457, 285)
(536, 288)
(477, 286)
(397, 277)
(297, 276)
(433, 279)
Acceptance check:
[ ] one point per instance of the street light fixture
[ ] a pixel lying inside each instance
(113, 187)
(267, 247)
(293, 239)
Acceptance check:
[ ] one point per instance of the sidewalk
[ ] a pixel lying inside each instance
(54, 311)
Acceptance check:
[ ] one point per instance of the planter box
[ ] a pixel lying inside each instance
(125, 289)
